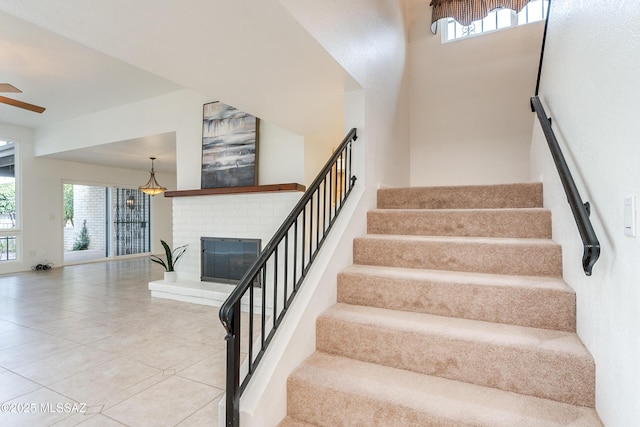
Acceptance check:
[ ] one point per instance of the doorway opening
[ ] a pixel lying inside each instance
(102, 222)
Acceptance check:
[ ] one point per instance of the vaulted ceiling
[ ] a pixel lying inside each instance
(77, 57)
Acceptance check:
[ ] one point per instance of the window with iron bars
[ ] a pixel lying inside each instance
(498, 19)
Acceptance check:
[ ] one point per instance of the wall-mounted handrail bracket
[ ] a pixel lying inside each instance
(589, 258)
(581, 210)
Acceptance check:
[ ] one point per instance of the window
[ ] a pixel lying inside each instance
(535, 10)
(8, 218)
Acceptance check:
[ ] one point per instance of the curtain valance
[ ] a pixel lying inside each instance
(467, 11)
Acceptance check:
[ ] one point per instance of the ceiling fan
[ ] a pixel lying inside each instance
(6, 87)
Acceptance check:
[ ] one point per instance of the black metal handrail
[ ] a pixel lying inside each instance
(280, 270)
(544, 43)
(581, 211)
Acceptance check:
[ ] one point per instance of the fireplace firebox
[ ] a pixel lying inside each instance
(226, 260)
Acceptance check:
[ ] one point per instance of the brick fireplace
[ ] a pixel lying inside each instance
(253, 214)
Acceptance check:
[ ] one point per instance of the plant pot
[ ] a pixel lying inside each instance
(170, 276)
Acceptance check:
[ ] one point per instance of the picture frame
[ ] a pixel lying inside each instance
(229, 147)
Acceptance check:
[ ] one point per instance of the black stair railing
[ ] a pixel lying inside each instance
(255, 309)
(580, 210)
(544, 43)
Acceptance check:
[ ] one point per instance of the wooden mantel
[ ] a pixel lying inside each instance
(236, 190)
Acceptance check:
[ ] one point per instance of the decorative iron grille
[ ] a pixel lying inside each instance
(131, 222)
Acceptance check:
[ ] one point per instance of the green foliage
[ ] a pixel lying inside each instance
(7, 198)
(82, 240)
(172, 256)
(68, 203)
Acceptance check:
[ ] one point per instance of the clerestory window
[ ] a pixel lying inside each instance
(535, 10)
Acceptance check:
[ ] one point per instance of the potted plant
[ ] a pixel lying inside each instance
(172, 259)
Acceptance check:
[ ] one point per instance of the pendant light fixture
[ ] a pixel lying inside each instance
(131, 202)
(152, 187)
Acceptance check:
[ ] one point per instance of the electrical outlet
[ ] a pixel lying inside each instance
(630, 216)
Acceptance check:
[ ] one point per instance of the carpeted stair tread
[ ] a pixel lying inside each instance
(541, 302)
(499, 255)
(538, 362)
(525, 195)
(454, 313)
(528, 222)
(329, 390)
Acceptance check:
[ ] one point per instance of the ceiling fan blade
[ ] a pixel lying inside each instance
(20, 104)
(6, 87)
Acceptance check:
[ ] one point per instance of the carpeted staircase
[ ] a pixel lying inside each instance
(453, 314)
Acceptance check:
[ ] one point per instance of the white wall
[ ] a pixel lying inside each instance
(318, 148)
(368, 39)
(590, 88)
(470, 113)
(281, 152)
(281, 156)
(40, 200)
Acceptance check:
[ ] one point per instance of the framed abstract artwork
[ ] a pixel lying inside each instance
(229, 147)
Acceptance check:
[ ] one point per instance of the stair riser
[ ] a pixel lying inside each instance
(514, 259)
(470, 197)
(483, 223)
(532, 371)
(532, 307)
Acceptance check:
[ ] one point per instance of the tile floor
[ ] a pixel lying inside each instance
(86, 345)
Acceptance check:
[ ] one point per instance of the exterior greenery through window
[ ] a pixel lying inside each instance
(535, 10)
(8, 215)
(68, 203)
